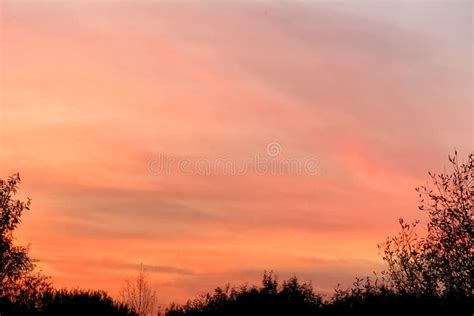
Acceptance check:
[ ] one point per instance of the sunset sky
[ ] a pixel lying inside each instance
(377, 93)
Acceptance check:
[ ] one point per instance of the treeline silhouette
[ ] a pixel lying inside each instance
(291, 297)
(428, 274)
(60, 302)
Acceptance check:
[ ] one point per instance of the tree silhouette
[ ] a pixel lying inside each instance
(440, 263)
(139, 295)
(20, 288)
(14, 260)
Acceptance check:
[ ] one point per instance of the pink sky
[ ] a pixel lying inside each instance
(91, 92)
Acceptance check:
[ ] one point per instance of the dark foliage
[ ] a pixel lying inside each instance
(81, 302)
(20, 289)
(272, 298)
(369, 297)
(440, 263)
(25, 295)
(65, 302)
(365, 297)
(14, 260)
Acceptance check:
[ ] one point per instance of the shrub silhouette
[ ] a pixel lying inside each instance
(365, 297)
(81, 302)
(272, 298)
(368, 297)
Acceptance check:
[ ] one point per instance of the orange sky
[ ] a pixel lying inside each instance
(91, 92)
